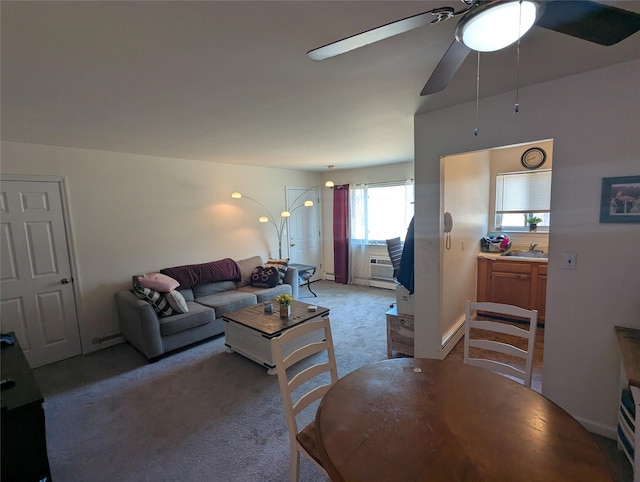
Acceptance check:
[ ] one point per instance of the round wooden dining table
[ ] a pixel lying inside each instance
(410, 419)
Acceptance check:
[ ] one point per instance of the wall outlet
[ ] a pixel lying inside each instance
(569, 260)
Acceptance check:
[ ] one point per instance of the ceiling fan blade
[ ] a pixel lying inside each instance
(370, 36)
(590, 21)
(446, 68)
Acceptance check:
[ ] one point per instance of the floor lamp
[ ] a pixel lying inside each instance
(284, 215)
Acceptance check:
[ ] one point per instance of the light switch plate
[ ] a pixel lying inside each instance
(569, 260)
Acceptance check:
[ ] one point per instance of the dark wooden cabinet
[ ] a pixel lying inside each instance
(24, 445)
(518, 283)
(540, 294)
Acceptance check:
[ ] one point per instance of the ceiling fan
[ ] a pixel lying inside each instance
(490, 25)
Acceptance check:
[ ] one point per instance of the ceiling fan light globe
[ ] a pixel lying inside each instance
(497, 26)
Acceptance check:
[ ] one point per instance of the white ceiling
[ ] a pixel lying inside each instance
(230, 81)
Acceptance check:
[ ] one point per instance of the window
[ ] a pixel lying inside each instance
(521, 195)
(380, 211)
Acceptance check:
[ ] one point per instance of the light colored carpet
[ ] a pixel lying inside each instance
(198, 415)
(201, 414)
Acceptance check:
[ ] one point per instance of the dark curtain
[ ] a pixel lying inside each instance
(405, 274)
(341, 233)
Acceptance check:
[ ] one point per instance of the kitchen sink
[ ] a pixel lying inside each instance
(526, 254)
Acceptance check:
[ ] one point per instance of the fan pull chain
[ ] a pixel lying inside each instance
(476, 131)
(516, 108)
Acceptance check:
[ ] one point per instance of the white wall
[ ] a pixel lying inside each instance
(137, 214)
(593, 121)
(465, 193)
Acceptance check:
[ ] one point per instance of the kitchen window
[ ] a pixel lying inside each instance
(521, 195)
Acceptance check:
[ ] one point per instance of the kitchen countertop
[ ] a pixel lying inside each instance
(512, 258)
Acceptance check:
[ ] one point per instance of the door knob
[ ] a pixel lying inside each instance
(66, 281)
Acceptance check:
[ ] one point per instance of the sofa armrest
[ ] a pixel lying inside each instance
(291, 278)
(139, 324)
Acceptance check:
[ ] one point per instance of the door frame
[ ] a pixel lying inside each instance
(71, 249)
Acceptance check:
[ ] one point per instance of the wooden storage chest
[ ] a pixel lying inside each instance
(399, 333)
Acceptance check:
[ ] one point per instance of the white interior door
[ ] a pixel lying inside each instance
(304, 228)
(37, 300)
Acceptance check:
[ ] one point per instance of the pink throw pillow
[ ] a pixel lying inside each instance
(159, 282)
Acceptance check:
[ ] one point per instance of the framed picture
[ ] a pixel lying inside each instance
(620, 202)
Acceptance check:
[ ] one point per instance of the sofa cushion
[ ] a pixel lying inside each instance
(267, 294)
(280, 264)
(160, 304)
(228, 301)
(246, 269)
(196, 274)
(197, 315)
(187, 294)
(177, 301)
(265, 277)
(159, 282)
(212, 288)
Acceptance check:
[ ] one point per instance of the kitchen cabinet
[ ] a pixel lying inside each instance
(519, 283)
(540, 293)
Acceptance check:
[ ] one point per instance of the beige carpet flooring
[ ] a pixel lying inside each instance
(200, 414)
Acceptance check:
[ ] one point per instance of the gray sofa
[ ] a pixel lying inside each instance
(207, 303)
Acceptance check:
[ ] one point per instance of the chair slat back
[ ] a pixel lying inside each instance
(312, 377)
(394, 248)
(490, 347)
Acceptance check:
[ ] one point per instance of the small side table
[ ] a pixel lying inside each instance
(399, 333)
(305, 273)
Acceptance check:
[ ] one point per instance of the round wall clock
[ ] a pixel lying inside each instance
(533, 158)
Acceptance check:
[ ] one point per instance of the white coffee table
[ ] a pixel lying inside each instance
(249, 331)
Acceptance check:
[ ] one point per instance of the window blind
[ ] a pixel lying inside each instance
(523, 192)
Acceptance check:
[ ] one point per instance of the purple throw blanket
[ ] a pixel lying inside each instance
(196, 274)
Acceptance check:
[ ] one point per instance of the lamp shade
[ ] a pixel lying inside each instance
(496, 26)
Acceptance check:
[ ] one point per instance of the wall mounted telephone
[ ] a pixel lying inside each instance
(448, 226)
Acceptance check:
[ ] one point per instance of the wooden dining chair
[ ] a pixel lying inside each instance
(493, 344)
(317, 375)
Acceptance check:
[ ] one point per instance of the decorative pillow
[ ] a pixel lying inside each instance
(158, 282)
(177, 301)
(280, 264)
(265, 277)
(155, 298)
(246, 269)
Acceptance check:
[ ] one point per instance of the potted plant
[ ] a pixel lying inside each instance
(284, 300)
(533, 221)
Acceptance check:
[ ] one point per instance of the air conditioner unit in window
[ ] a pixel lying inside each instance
(380, 269)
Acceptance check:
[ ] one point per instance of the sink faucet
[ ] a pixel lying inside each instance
(532, 247)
